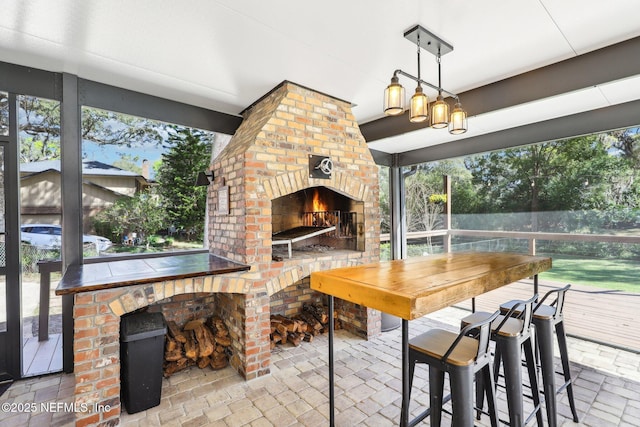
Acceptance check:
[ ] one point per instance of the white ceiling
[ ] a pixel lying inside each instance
(225, 54)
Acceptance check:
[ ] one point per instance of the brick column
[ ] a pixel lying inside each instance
(96, 348)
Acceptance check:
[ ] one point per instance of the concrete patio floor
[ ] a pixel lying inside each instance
(368, 384)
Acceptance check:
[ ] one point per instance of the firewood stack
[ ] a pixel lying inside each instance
(200, 342)
(312, 321)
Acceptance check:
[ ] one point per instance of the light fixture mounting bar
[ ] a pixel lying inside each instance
(424, 82)
(428, 41)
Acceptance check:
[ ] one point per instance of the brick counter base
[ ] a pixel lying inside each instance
(244, 304)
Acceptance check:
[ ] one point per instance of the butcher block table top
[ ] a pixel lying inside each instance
(136, 271)
(411, 288)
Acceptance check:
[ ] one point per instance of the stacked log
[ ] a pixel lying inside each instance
(312, 321)
(201, 342)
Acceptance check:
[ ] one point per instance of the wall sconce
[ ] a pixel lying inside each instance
(204, 179)
(419, 111)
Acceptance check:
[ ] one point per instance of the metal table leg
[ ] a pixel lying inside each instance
(404, 411)
(332, 405)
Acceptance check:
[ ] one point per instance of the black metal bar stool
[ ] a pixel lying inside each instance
(545, 318)
(462, 356)
(512, 334)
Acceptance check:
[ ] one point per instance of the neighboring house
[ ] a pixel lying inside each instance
(102, 185)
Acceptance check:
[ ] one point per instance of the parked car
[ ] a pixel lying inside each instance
(48, 236)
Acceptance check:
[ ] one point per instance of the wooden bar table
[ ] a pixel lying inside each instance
(413, 287)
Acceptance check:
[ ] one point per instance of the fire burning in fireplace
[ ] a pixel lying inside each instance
(318, 204)
(322, 216)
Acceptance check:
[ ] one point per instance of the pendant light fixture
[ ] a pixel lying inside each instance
(394, 95)
(439, 109)
(394, 98)
(458, 123)
(419, 101)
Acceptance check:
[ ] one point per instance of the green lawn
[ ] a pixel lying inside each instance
(623, 275)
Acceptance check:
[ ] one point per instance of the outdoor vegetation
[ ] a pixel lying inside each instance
(175, 207)
(584, 185)
(169, 214)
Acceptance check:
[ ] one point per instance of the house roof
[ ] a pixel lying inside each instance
(89, 167)
(515, 65)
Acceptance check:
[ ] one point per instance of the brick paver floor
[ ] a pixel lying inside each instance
(368, 388)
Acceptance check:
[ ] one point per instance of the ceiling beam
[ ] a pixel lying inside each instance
(618, 61)
(30, 81)
(112, 98)
(618, 116)
(381, 158)
(46, 84)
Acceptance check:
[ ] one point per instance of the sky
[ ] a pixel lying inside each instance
(110, 153)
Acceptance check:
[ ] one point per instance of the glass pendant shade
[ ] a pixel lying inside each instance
(394, 98)
(458, 123)
(439, 114)
(436, 114)
(419, 106)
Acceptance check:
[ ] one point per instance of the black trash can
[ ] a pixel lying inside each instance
(141, 357)
(389, 322)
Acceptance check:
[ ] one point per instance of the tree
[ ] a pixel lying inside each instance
(129, 163)
(111, 128)
(140, 214)
(385, 206)
(578, 174)
(628, 142)
(188, 153)
(421, 213)
(40, 128)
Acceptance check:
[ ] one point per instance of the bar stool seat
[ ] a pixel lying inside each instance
(511, 326)
(546, 317)
(462, 355)
(512, 333)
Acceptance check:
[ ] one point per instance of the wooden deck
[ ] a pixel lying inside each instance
(42, 357)
(598, 315)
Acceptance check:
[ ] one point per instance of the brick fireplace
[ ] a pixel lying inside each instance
(264, 183)
(270, 159)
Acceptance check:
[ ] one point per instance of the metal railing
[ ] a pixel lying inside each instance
(529, 236)
(47, 267)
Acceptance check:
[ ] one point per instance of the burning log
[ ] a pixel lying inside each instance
(200, 342)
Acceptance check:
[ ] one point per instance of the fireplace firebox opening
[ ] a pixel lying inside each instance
(316, 219)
